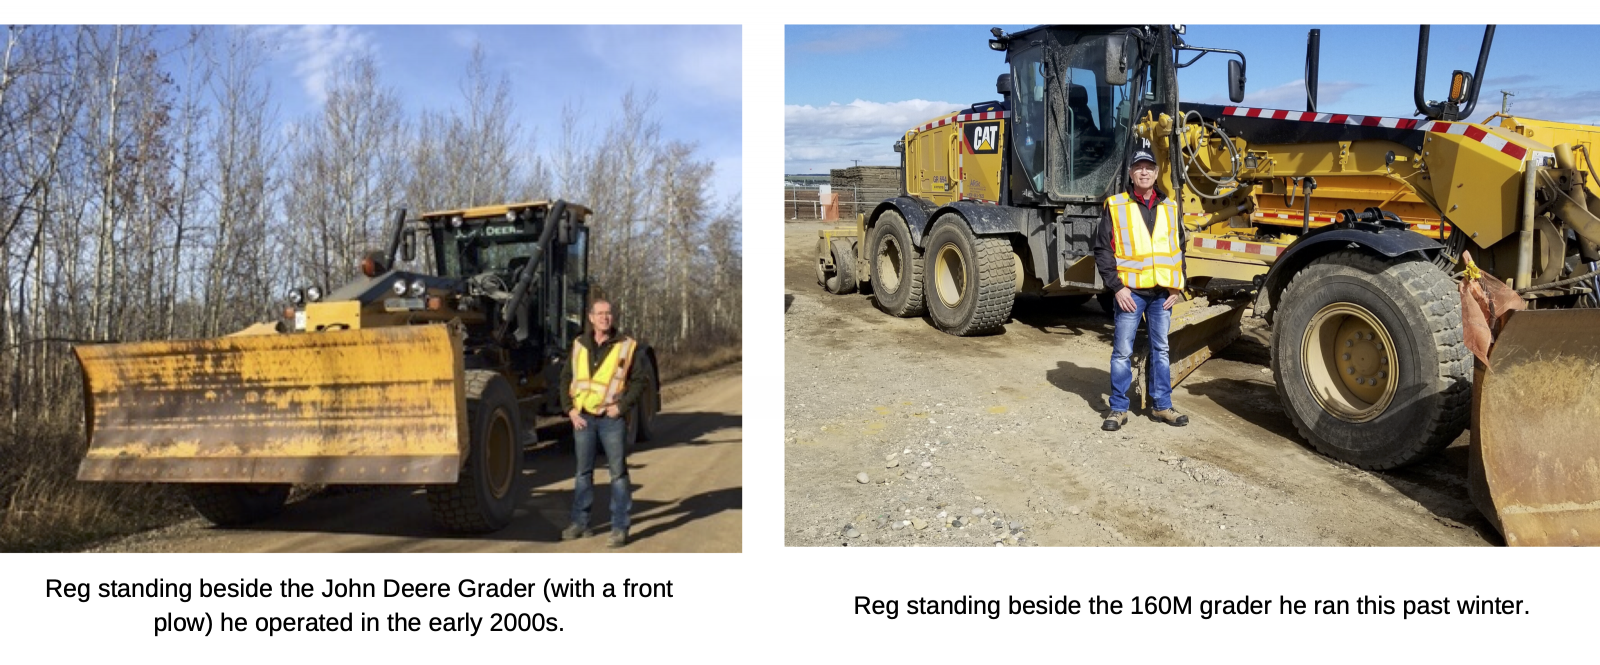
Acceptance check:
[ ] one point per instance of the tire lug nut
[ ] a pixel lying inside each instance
(1346, 356)
(1351, 371)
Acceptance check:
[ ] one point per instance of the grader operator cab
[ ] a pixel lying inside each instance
(397, 378)
(1367, 344)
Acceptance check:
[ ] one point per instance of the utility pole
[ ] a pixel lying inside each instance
(1505, 101)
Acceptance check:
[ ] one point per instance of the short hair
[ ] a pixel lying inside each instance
(597, 301)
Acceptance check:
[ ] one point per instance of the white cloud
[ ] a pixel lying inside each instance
(704, 60)
(1548, 103)
(818, 138)
(316, 51)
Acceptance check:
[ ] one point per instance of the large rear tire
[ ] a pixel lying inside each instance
(1369, 359)
(485, 495)
(896, 268)
(971, 281)
(236, 504)
(642, 416)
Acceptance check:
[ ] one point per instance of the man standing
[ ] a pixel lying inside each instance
(597, 398)
(1139, 252)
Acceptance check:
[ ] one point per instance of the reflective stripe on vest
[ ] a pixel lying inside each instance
(1146, 258)
(592, 393)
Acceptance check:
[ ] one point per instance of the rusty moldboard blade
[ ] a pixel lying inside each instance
(381, 405)
(1539, 421)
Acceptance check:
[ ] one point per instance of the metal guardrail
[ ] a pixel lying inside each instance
(802, 202)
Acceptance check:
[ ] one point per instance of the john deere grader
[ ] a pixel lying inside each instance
(1350, 234)
(397, 378)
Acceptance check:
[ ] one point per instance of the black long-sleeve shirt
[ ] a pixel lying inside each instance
(1105, 253)
(631, 389)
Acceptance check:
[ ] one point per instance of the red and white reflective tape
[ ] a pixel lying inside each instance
(964, 117)
(1294, 216)
(1458, 128)
(1241, 247)
(1430, 227)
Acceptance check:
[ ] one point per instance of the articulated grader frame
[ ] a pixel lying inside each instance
(398, 378)
(1347, 233)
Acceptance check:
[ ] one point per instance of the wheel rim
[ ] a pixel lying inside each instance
(498, 454)
(1348, 362)
(889, 264)
(950, 275)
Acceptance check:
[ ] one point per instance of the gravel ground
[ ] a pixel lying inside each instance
(897, 434)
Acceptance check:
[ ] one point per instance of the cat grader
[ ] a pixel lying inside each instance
(431, 379)
(1349, 234)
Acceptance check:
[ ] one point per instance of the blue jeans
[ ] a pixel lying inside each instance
(1158, 320)
(610, 432)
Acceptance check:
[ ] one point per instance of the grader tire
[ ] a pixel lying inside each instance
(1369, 359)
(641, 418)
(970, 281)
(235, 504)
(896, 266)
(485, 495)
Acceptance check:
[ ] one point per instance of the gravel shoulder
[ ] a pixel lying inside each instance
(996, 441)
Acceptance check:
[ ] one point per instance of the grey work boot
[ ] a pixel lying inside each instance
(1114, 421)
(1170, 417)
(619, 538)
(574, 532)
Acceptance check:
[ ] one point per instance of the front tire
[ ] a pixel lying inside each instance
(484, 497)
(896, 268)
(1369, 359)
(971, 281)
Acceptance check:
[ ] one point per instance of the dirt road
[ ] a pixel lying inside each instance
(996, 440)
(686, 498)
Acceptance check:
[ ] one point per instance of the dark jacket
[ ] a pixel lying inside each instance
(1105, 253)
(631, 390)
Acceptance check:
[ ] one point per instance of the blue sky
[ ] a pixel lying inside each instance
(850, 91)
(695, 72)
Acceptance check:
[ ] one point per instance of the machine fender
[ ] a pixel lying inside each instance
(1386, 242)
(916, 212)
(987, 218)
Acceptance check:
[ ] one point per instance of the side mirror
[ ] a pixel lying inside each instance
(408, 246)
(1235, 81)
(1118, 60)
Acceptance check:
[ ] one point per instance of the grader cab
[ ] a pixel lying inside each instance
(398, 378)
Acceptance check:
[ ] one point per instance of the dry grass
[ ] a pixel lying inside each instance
(678, 364)
(48, 509)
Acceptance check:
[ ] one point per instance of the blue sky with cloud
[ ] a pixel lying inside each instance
(851, 91)
(694, 71)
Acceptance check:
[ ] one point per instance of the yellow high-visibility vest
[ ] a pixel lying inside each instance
(1146, 258)
(592, 393)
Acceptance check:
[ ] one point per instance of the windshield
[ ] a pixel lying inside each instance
(1072, 125)
(475, 249)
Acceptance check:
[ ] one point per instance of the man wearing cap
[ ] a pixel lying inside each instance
(1139, 252)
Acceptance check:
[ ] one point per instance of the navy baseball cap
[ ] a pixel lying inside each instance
(1142, 155)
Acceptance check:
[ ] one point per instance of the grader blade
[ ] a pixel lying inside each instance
(1538, 410)
(380, 405)
(1198, 331)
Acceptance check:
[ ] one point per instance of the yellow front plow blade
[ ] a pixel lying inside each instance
(380, 405)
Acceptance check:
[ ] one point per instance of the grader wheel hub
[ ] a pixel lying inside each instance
(889, 265)
(1348, 368)
(950, 275)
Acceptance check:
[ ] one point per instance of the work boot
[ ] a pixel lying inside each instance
(1170, 417)
(574, 532)
(1114, 421)
(619, 537)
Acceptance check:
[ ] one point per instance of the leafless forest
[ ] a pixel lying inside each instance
(151, 188)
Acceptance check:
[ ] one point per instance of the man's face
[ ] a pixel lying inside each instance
(600, 316)
(1143, 174)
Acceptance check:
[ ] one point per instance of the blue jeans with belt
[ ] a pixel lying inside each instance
(610, 433)
(1158, 319)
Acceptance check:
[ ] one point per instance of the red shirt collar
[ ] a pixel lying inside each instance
(1148, 201)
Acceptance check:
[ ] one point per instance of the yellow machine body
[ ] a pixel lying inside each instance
(956, 157)
(383, 405)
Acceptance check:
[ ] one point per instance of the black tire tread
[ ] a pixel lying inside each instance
(1435, 293)
(996, 287)
(911, 279)
(458, 507)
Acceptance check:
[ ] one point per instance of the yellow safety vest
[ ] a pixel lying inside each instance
(1146, 258)
(593, 393)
